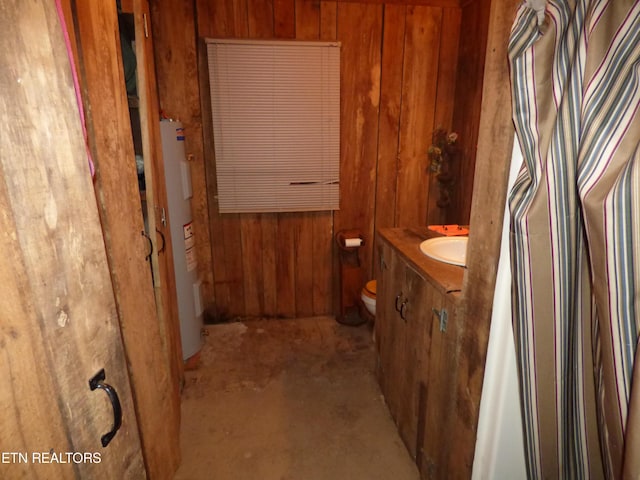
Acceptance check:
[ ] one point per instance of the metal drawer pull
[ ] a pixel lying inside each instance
(96, 383)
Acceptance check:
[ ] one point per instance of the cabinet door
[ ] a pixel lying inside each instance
(415, 315)
(58, 318)
(403, 332)
(386, 325)
(438, 387)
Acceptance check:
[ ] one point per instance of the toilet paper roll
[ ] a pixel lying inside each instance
(352, 242)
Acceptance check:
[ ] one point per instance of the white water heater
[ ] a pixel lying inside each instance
(177, 176)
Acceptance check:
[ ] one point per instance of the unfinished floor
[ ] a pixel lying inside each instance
(288, 400)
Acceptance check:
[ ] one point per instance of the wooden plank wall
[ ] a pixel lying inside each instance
(399, 66)
(468, 95)
(495, 143)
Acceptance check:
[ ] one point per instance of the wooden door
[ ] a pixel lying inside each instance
(58, 317)
(148, 332)
(155, 193)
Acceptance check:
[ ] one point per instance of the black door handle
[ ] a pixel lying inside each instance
(97, 383)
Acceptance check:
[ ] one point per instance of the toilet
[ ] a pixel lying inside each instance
(368, 297)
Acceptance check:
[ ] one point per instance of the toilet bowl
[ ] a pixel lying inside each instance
(368, 297)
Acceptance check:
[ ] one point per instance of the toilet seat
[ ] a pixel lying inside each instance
(370, 289)
(368, 296)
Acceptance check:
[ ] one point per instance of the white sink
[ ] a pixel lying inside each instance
(451, 250)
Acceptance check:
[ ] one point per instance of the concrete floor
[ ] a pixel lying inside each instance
(288, 400)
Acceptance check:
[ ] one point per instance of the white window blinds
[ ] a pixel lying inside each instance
(276, 124)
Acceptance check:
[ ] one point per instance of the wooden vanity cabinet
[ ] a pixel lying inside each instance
(412, 344)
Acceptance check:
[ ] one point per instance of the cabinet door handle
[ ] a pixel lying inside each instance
(398, 298)
(403, 309)
(97, 383)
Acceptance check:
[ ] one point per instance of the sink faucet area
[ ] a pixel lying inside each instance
(452, 250)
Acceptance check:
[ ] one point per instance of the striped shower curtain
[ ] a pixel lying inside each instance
(575, 235)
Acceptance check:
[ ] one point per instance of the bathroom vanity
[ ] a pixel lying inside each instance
(416, 344)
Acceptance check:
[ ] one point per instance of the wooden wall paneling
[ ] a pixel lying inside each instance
(219, 20)
(328, 20)
(284, 21)
(240, 18)
(447, 67)
(154, 379)
(57, 304)
(322, 249)
(360, 31)
(286, 251)
(261, 293)
(222, 284)
(471, 63)
(307, 15)
(203, 18)
(179, 94)
(420, 75)
(307, 18)
(225, 17)
(261, 25)
(260, 20)
(229, 235)
(390, 105)
(252, 248)
(269, 227)
(323, 242)
(286, 237)
(241, 232)
(352, 24)
(304, 263)
(495, 143)
(233, 282)
(445, 100)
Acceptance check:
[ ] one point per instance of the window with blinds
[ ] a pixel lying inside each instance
(276, 124)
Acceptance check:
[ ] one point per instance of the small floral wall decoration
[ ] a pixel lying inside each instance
(442, 152)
